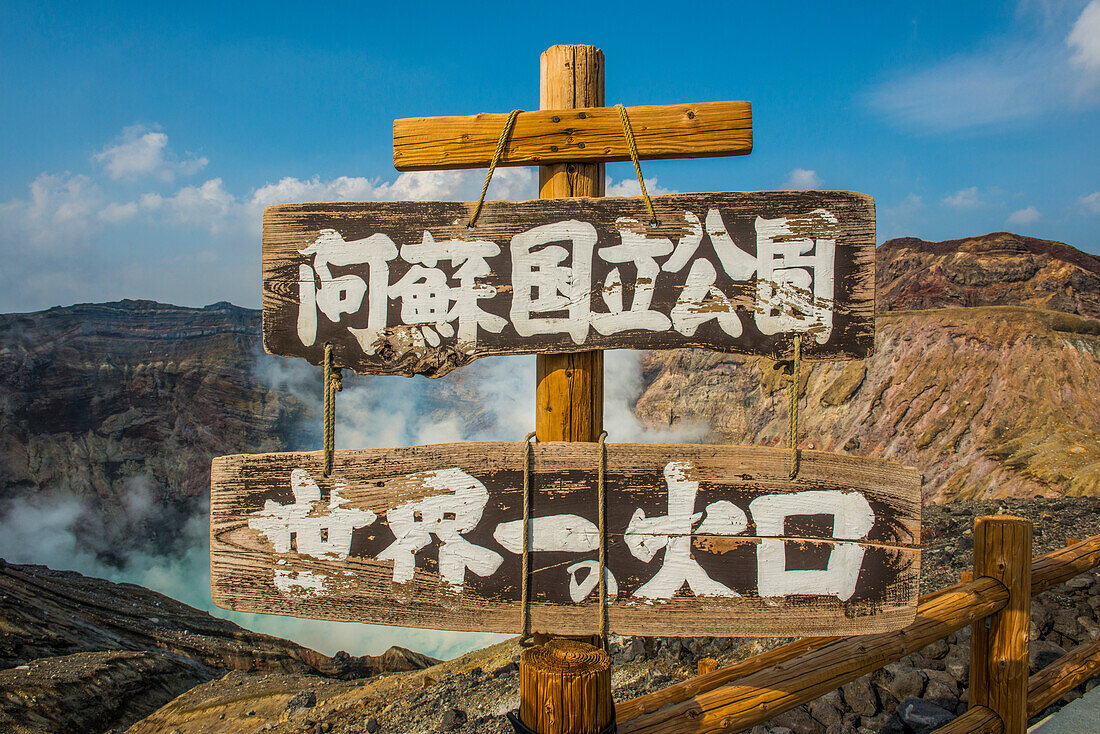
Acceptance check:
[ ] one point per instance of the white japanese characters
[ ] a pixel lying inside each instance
(440, 296)
(453, 504)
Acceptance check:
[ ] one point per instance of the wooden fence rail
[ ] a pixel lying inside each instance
(757, 689)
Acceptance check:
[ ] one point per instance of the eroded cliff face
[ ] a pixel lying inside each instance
(983, 391)
(83, 654)
(96, 397)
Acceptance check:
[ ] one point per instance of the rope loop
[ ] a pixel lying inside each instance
(525, 559)
(505, 133)
(333, 383)
(629, 133)
(792, 407)
(601, 498)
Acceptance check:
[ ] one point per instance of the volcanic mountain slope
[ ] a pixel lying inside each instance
(84, 654)
(995, 397)
(98, 401)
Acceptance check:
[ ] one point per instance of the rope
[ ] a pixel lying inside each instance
(792, 408)
(334, 383)
(504, 134)
(629, 133)
(601, 497)
(525, 567)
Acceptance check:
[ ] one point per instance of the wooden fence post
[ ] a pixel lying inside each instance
(998, 647)
(565, 685)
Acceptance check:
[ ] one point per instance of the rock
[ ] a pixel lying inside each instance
(780, 730)
(759, 729)
(909, 684)
(1042, 653)
(302, 700)
(1065, 623)
(893, 725)
(958, 667)
(453, 718)
(860, 697)
(372, 726)
(508, 668)
(941, 694)
(1082, 582)
(923, 717)
(826, 713)
(1091, 628)
(936, 650)
(798, 721)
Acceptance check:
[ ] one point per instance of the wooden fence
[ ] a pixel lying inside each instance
(996, 603)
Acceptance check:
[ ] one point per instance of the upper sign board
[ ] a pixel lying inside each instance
(703, 540)
(408, 288)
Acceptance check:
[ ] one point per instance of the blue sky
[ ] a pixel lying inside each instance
(141, 142)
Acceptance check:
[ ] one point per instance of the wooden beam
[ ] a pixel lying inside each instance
(1063, 675)
(760, 696)
(591, 134)
(998, 645)
(977, 719)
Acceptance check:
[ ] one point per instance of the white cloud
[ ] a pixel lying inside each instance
(116, 212)
(142, 152)
(1090, 203)
(1029, 215)
(1084, 39)
(631, 187)
(1036, 69)
(801, 178)
(964, 199)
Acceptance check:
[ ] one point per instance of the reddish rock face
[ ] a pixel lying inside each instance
(985, 376)
(998, 269)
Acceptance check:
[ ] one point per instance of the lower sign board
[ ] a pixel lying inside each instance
(701, 540)
(406, 287)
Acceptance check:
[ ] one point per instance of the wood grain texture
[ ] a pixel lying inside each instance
(977, 719)
(998, 650)
(591, 134)
(721, 286)
(1063, 675)
(759, 696)
(565, 688)
(361, 587)
(569, 386)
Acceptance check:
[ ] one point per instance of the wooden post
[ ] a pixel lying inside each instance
(998, 648)
(569, 397)
(565, 688)
(565, 685)
(706, 665)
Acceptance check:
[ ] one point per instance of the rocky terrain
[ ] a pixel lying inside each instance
(84, 654)
(985, 376)
(988, 385)
(471, 693)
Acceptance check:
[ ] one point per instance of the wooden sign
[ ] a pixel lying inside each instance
(702, 540)
(578, 135)
(407, 288)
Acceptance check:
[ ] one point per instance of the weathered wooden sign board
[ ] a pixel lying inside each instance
(407, 287)
(702, 540)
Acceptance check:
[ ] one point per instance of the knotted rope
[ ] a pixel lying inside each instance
(505, 133)
(601, 497)
(792, 407)
(629, 133)
(334, 383)
(525, 559)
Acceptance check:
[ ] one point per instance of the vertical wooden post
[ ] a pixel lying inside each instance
(998, 647)
(569, 396)
(565, 685)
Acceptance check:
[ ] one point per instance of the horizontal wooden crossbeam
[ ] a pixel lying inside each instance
(593, 134)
